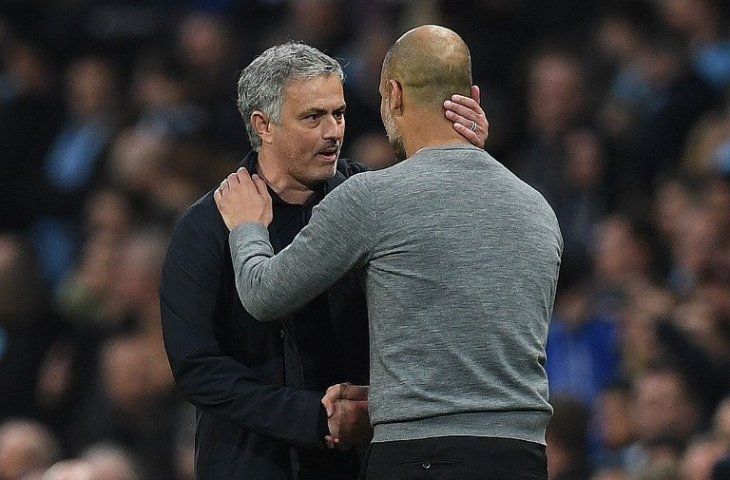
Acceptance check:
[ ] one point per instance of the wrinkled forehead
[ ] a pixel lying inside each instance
(322, 92)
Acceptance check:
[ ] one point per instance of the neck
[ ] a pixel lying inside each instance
(427, 130)
(280, 181)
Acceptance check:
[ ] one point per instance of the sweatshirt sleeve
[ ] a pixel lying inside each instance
(336, 240)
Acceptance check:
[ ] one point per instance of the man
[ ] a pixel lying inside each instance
(257, 387)
(459, 259)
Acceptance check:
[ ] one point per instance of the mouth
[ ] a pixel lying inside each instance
(329, 155)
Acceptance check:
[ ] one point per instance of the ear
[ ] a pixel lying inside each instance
(395, 102)
(261, 125)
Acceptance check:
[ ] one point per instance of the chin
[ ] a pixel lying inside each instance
(320, 176)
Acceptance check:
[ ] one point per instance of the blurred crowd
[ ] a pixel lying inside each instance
(115, 115)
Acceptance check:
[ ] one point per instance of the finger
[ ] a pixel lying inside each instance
(260, 185)
(478, 124)
(245, 179)
(335, 391)
(329, 406)
(354, 392)
(469, 134)
(464, 107)
(476, 94)
(328, 400)
(232, 179)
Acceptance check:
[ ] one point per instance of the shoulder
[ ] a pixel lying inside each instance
(201, 218)
(348, 167)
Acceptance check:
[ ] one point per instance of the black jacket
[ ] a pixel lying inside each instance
(253, 383)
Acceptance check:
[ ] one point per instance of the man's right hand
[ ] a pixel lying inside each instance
(349, 425)
(347, 416)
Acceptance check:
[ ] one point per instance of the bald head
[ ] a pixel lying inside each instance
(431, 63)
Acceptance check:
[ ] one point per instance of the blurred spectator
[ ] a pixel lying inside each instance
(650, 119)
(609, 473)
(708, 144)
(115, 115)
(641, 308)
(665, 415)
(110, 462)
(26, 447)
(210, 56)
(623, 258)
(319, 23)
(162, 175)
(129, 408)
(26, 326)
(100, 462)
(81, 295)
(583, 199)
(73, 163)
(558, 157)
(69, 470)
(566, 440)
(721, 430)
(701, 456)
(374, 150)
(612, 428)
(362, 69)
(703, 26)
(163, 97)
(697, 238)
(30, 114)
(582, 347)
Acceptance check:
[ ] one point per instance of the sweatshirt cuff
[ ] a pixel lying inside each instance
(249, 231)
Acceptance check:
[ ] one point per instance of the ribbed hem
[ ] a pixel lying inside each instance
(528, 426)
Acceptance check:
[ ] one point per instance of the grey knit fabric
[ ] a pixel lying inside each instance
(459, 259)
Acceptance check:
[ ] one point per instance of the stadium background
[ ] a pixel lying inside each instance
(116, 115)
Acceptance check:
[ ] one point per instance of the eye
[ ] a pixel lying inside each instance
(339, 115)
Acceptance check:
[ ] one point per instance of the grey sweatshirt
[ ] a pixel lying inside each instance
(459, 260)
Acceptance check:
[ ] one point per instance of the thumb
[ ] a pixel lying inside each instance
(475, 93)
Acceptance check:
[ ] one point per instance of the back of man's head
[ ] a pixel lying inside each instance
(431, 63)
(261, 84)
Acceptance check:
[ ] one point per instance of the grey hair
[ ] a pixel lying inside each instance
(261, 84)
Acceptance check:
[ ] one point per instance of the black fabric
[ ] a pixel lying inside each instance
(462, 458)
(257, 386)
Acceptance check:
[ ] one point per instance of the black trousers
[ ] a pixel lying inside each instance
(457, 458)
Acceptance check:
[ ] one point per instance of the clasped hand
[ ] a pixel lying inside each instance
(242, 198)
(347, 416)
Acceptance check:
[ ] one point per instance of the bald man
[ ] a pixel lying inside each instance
(460, 262)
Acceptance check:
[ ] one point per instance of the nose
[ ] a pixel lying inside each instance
(334, 128)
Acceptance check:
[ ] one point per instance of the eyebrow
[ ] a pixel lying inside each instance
(321, 111)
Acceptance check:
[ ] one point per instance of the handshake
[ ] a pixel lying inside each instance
(347, 416)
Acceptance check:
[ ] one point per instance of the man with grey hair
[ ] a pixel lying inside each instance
(257, 387)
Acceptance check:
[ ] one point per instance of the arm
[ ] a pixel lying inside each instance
(335, 241)
(190, 293)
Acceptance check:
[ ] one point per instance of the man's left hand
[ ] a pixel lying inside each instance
(242, 198)
(468, 117)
